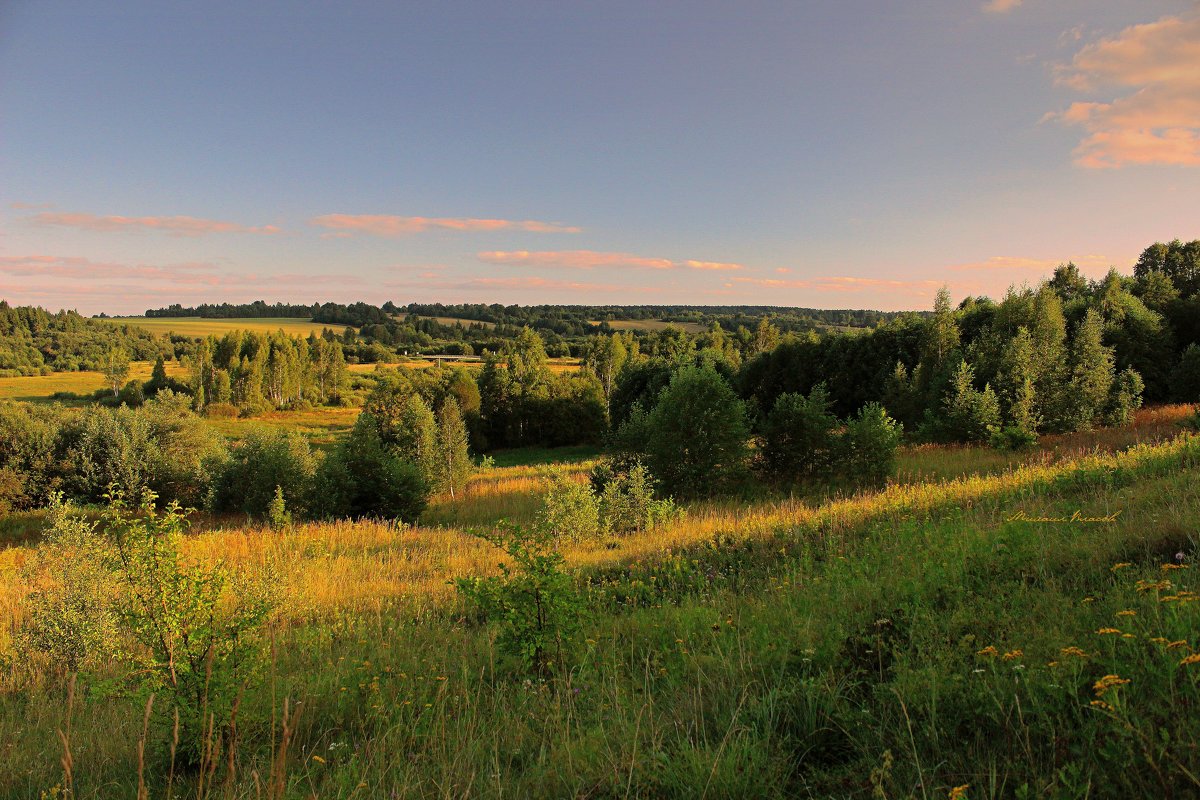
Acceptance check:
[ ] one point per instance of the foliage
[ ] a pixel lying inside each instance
(869, 444)
(968, 414)
(798, 436)
(453, 458)
(697, 440)
(363, 478)
(71, 618)
(1125, 397)
(534, 601)
(627, 503)
(1185, 380)
(570, 509)
(265, 463)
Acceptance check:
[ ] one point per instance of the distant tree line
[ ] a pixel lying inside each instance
(34, 341)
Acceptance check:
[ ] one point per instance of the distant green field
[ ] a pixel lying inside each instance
(652, 325)
(198, 326)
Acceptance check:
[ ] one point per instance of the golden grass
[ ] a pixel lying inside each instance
(466, 323)
(320, 425)
(652, 325)
(324, 568)
(201, 326)
(40, 387)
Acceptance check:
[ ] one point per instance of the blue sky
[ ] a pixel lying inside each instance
(850, 154)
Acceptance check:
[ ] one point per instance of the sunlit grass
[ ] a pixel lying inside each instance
(36, 388)
(202, 326)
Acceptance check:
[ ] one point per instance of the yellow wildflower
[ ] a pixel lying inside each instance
(1177, 644)
(1108, 682)
(1194, 658)
(988, 651)
(1073, 651)
(318, 759)
(1127, 613)
(1108, 631)
(1102, 705)
(1013, 655)
(1158, 640)
(959, 792)
(1120, 566)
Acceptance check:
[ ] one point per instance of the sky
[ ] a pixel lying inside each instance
(850, 154)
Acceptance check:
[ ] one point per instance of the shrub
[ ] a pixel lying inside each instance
(968, 414)
(221, 411)
(697, 440)
(265, 461)
(195, 626)
(534, 601)
(798, 437)
(627, 503)
(1185, 379)
(1124, 398)
(362, 478)
(70, 610)
(869, 445)
(192, 628)
(570, 509)
(1013, 438)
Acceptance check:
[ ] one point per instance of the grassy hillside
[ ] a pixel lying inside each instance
(899, 643)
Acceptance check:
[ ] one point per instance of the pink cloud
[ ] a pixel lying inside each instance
(592, 259)
(1158, 120)
(846, 284)
(176, 226)
(345, 225)
(1001, 6)
(1086, 263)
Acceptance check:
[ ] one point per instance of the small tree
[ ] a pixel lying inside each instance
(869, 445)
(533, 599)
(1185, 379)
(570, 509)
(1091, 372)
(362, 478)
(70, 614)
(627, 502)
(196, 626)
(453, 457)
(798, 436)
(115, 366)
(1125, 398)
(697, 434)
(266, 462)
(968, 414)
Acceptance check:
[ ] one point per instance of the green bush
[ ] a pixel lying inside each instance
(362, 478)
(627, 502)
(535, 602)
(798, 436)
(697, 440)
(869, 444)
(266, 460)
(70, 610)
(570, 509)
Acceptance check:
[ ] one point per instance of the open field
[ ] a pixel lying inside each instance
(38, 388)
(768, 650)
(652, 325)
(466, 323)
(203, 326)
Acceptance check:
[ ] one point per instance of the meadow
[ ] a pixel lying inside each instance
(203, 326)
(908, 641)
(652, 325)
(40, 388)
